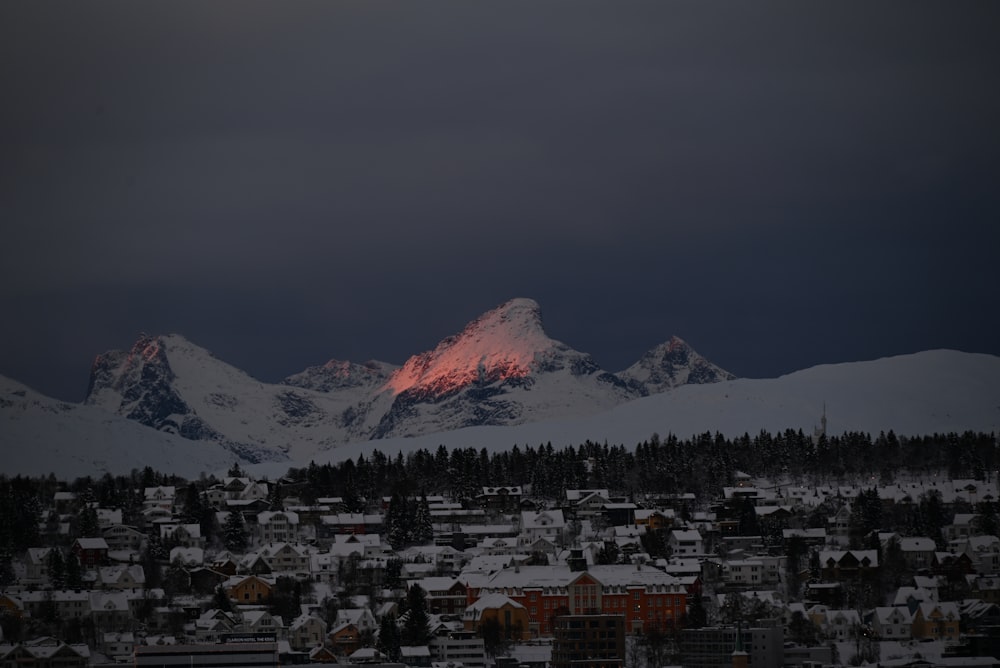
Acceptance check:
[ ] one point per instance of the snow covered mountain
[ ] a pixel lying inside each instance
(172, 385)
(671, 364)
(40, 435)
(501, 369)
(937, 391)
(501, 380)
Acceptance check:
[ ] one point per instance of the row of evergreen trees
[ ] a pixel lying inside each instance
(701, 464)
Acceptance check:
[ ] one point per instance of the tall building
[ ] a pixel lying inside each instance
(588, 641)
(222, 655)
(714, 647)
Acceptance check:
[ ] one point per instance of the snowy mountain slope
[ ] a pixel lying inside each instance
(39, 435)
(173, 385)
(935, 391)
(671, 364)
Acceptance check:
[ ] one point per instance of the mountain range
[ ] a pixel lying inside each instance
(170, 402)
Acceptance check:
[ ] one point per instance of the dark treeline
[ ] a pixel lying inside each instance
(701, 465)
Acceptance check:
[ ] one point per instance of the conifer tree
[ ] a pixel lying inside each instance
(389, 637)
(416, 629)
(208, 522)
(7, 575)
(276, 497)
(88, 526)
(397, 530)
(74, 573)
(192, 509)
(221, 599)
(423, 529)
(57, 568)
(234, 532)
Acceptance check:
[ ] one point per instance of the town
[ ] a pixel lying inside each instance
(898, 569)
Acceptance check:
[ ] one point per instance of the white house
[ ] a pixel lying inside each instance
(279, 526)
(685, 542)
(543, 524)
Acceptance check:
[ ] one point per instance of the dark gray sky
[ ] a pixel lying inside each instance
(782, 185)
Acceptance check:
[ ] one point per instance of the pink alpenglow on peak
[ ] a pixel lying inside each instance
(502, 344)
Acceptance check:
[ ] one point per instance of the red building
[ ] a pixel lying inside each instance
(92, 552)
(645, 597)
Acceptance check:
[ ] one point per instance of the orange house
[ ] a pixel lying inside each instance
(511, 616)
(936, 620)
(11, 606)
(345, 639)
(250, 589)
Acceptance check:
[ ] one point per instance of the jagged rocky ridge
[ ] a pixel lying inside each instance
(502, 369)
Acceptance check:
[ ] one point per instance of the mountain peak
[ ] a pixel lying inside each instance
(502, 344)
(673, 363)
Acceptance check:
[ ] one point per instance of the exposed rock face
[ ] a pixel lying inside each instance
(139, 385)
(671, 364)
(339, 375)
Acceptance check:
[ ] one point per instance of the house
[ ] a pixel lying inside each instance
(345, 639)
(205, 579)
(654, 519)
(305, 632)
(418, 656)
(36, 565)
(984, 551)
(188, 556)
(743, 572)
(262, 622)
(499, 546)
(685, 542)
(110, 611)
(277, 526)
(118, 645)
(548, 524)
(939, 621)
(46, 652)
(249, 589)
(159, 497)
(11, 606)
(286, 558)
(182, 535)
(225, 563)
(69, 604)
(892, 623)
(362, 618)
(500, 499)
(91, 552)
(848, 565)
(918, 552)
(108, 517)
(840, 625)
(322, 654)
(121, 577)
(445, 596)
(121, 537)
(508, 613)
(213, 624)
(587, 503)
(962, 526)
